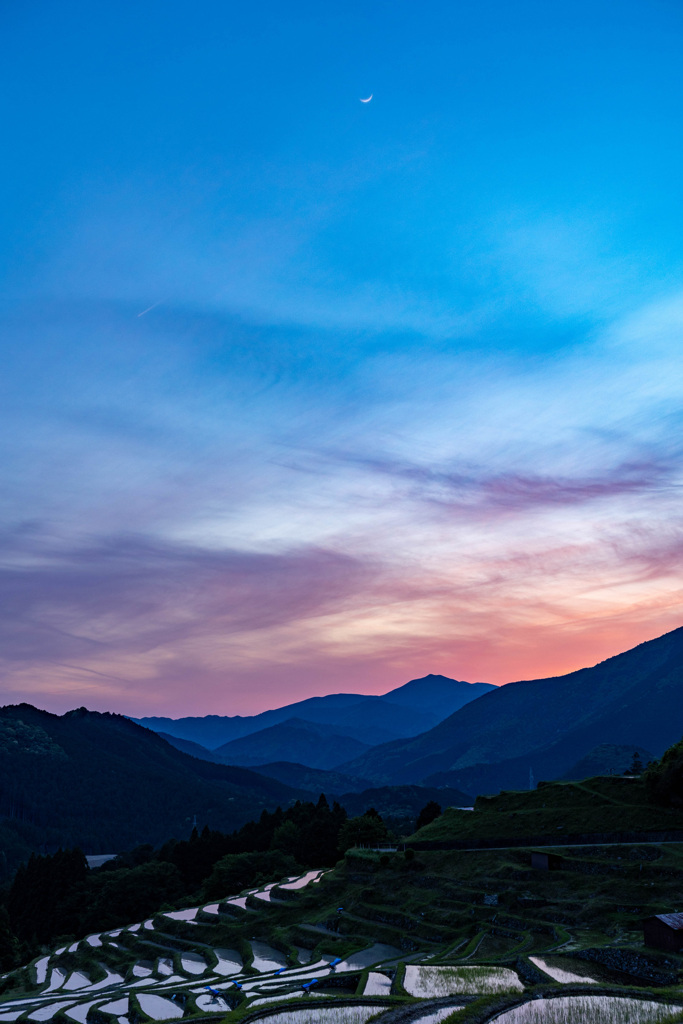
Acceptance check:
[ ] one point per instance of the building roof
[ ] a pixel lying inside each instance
(674, 921)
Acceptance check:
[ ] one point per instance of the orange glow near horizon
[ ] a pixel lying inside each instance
(275, 667)
(304, 395)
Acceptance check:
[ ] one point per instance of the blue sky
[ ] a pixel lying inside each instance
(301, 394)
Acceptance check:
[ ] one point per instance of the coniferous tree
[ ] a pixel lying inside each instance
(429, 813)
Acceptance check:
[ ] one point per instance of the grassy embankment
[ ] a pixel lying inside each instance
(596, 805)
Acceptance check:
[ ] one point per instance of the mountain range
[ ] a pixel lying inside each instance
(503, 738)
(405, 711)
(310, 743)
(294, 741)
(105, 783)
(545, 726)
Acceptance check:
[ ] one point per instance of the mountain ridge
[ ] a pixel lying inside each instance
(368, 718)
(296, 740)
(543, 724)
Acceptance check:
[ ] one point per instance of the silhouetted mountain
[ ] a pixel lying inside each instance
(313, 780)
(188, 747)
(101, 782)
(298, 776)
(209, 731)
(634, 699)
(606, 759)
(437, 694)
(307, 743)
(366, 719)
(406, 711)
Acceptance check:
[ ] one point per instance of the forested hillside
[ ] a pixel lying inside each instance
(103, 783)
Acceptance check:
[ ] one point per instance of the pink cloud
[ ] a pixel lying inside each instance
(480, 491)
(142, 627)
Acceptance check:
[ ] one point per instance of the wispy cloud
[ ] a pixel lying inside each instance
(478, 492)
(138, 594)
(262, 506)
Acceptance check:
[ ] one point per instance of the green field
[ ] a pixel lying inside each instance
(594, 806)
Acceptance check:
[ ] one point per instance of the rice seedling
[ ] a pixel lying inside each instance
(432, 982)
(590, 1010)
(323, 1015)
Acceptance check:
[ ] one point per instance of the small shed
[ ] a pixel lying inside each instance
(664, 931)
(546, 861)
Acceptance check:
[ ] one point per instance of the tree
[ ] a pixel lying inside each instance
(239, 871)
(429, 813)
(45, 896)
(9, 945)
(287, 838)
(130, 894)
(664, 778)
(366, 830)
(636, 766)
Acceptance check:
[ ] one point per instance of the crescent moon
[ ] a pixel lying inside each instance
(368, 99)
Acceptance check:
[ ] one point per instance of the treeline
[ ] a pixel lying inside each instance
(664, 778)
(56, 896)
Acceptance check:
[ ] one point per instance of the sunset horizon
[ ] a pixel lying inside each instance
(341, 347)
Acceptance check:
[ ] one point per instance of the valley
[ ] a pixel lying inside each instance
(524, 906)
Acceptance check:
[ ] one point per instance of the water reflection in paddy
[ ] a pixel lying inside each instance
(590, 1010)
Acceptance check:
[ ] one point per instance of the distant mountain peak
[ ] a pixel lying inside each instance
(409, 709)
(633, 699)
(437, 694)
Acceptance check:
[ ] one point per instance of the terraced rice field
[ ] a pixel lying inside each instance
(590, 1010)
(561, 974)
(160, 970)
(164, 988)
(434, 982)
(324, 1015)
(377, 985)
(437, 1016)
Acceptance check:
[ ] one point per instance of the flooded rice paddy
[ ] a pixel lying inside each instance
(590, 1010)
(323, 1015)
(156, 973)
(437, 1015)
(377, 985)
(433, 982)
(158, 1007)
(266, 958)
(558, 972)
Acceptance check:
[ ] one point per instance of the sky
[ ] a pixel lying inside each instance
(300, 394)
